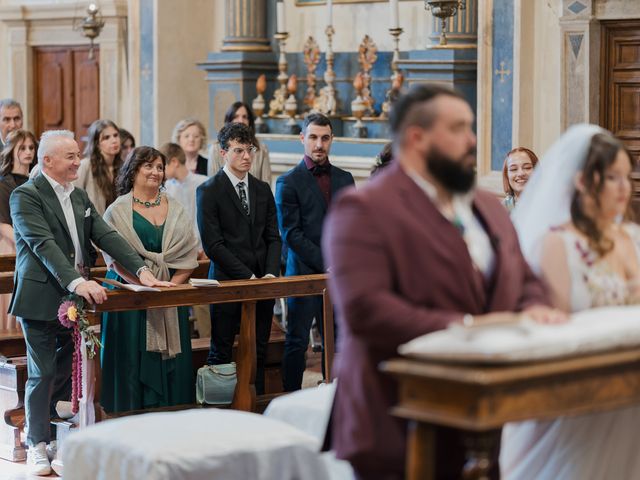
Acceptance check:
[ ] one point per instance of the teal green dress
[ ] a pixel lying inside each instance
(132, 377)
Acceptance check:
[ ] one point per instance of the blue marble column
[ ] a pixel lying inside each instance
(502, 82)
(147, 73)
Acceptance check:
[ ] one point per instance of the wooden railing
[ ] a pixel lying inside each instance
(246, 292)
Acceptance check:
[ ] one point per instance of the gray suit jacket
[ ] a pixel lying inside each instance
(44, 249)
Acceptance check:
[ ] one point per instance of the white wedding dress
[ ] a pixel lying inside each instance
(595, 446)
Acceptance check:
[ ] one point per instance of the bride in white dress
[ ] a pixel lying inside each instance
(573, 227)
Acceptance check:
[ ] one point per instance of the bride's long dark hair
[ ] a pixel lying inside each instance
(602, 153)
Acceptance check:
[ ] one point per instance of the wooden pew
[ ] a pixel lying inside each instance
(247, 292)
(13, 378)
(12, 346)
(479, 399)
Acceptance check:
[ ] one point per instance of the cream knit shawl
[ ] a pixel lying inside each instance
(179, 251)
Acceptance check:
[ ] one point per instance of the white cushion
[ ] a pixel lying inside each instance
(309, 410)
(590, 331)
(193, 444)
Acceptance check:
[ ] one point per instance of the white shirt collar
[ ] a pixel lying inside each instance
(235, 180)
(63, 190)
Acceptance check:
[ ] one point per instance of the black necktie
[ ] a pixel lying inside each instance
(243, 198)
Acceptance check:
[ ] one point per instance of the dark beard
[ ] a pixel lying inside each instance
(451, 174)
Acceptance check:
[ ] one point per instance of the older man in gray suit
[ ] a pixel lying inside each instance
(54, 225)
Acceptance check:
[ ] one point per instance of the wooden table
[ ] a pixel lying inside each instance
(480, 399)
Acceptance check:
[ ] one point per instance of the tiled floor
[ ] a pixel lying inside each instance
(18, 471)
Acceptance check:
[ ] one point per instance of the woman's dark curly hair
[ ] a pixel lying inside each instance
(138, 157)
(99, 168)
(602, 153)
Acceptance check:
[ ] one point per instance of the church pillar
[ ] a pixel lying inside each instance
(461, 30)
(580, 61)
(246, 54)
(454, 64)
(246, 26)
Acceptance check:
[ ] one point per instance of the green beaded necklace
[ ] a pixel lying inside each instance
(148, 204)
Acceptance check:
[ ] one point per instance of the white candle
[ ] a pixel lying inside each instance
(393, 10)
(280, 27)
(329, 12)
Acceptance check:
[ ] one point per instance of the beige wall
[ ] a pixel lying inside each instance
(185, 35)
(546, 75)
(353, 21)
(612, 9)
(371, 18)
(541, 60)
(537, 87)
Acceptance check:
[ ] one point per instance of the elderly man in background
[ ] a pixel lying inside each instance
(10, 118)
(54, 225)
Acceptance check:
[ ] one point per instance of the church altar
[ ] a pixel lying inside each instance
(480, 399)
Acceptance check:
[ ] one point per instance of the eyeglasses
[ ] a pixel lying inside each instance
(241, 151)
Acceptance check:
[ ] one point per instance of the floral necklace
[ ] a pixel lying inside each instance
(148, 204)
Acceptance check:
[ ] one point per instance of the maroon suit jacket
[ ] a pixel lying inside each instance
(400, 269)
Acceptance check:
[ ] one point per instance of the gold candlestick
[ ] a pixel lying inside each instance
(311, 58)
(326, 102)
(396, 77)
(276, 105)
(258, 103)
(367, 56)
(291, 106)
(359, 106)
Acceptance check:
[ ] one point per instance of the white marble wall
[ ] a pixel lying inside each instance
(352, 21)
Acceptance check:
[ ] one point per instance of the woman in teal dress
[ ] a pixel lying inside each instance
(146, 359)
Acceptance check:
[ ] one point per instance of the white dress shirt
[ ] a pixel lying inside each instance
(185, 193)
(473, 233)
(235, 181)
(64, 197)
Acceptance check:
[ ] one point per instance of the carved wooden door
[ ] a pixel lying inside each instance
(620, 99)
(66, 89)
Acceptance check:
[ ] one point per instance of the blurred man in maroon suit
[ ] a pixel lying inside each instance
(414, 250)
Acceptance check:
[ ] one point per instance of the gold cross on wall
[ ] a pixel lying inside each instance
(146, 71)
(502, 72)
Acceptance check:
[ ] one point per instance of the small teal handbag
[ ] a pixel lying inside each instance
(215, 384)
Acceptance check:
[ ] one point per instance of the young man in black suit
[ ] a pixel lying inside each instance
(303, 196)
(237, 220)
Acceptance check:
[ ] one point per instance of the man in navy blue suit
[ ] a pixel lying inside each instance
(303, 196)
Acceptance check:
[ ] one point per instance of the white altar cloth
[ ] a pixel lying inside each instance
(588, 331)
